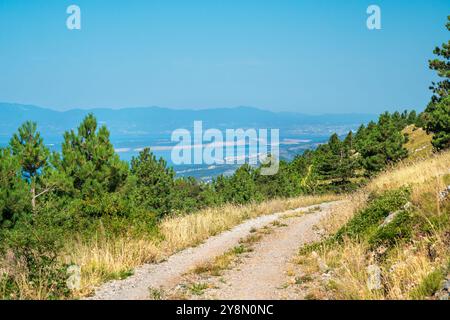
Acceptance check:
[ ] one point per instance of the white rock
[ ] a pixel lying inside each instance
(389, 218)
(73, 282)
(374, 277)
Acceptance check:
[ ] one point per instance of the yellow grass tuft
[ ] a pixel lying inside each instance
(104, 258)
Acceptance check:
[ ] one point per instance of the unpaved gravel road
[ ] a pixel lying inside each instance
(259, 276)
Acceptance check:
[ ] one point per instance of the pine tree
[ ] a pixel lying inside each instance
(442, 67)
(28, 146)
(14, 197)
(155, 182)
(241, 187)
(380, 143)
(336, 159)
(89, 161)
(438, 122)
(437, 113)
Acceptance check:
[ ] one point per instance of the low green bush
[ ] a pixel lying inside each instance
(429, 285)
(400, 228)
(367, 220)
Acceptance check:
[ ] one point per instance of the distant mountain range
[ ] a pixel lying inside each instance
(151, 121)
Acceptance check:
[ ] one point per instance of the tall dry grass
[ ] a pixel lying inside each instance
(418, 172)
(105, 258)
(344, 211)
(407, 264)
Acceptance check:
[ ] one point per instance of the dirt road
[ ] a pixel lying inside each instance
(259, 276)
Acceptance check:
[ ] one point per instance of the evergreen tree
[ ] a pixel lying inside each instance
(304, 166)
(241, 187)
(412, 118)
(380, 143)
(336, 159)
(28, 147)
(285, 183)
(155, 182)
(89, 160)
(437, 113)
(14, 197)
(348, 162)
(438, 122)
(442, 67)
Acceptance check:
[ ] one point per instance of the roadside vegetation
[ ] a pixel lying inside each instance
(85, 215)
(392, 241)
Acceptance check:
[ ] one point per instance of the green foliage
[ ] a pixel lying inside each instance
(33, 246)
(429, 285)
(382, 143)
(441, 65)
(364, 222)
(198, 288)
(154, 183)
(286, 183)
(89, 161)
(336, 161)
(30, 151)
(437, 113)
(438, 122)
(240, 188)
(400, 228)
(28, 146)
(14, 196)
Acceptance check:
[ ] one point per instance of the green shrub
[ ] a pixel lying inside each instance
(33, 247)
(400, 228)
(429, 285)
(369, 218)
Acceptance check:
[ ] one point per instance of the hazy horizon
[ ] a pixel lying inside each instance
(297, 56)
(59, 109)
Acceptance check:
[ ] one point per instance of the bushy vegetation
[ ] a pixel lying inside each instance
(86, 192)
(46, 198)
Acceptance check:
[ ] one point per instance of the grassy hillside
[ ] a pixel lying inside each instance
(419, 143)
(392, 241)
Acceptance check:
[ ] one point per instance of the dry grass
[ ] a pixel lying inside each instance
(343, 212)
(103, 258)
(419, 143)
(106, 258)
(17, 269)
(407, 264)
(414, 173)
(193, 229)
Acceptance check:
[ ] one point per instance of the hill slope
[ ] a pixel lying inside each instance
(393, 243)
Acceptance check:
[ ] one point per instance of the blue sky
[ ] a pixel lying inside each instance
(311, 56)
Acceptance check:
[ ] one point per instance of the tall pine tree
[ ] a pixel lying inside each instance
(89, 160)
(28, 146)
(437, 113)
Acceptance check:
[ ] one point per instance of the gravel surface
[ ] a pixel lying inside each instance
(259, 276)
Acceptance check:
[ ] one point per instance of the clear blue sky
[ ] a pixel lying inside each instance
(311, 56)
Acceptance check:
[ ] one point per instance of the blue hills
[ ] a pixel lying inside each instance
(149, 121)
